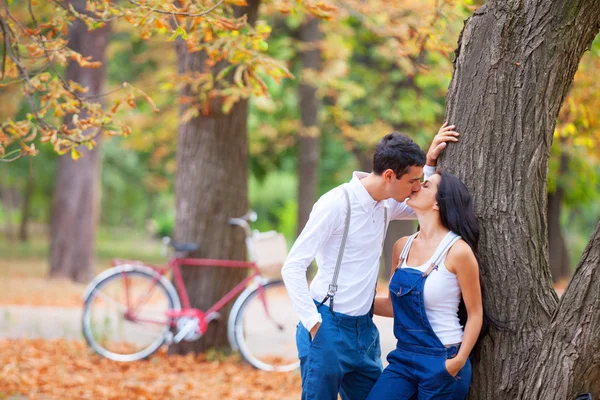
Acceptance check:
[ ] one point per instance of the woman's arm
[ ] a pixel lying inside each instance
(383, 304)
(462, 262)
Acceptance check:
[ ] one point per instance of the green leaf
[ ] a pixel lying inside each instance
(179, 32)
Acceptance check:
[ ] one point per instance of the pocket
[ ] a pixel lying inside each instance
(445, 370)
(373, 346)
(318, 335)
(408, 307)
(399, 289)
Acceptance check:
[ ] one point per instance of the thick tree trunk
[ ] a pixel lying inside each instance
(26, 208)
(76, 202)
(558, 253)
(309, 137)
(211, 187)
(514, 64)
(569, 362)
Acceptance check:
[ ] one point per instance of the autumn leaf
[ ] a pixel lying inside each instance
(75, 155)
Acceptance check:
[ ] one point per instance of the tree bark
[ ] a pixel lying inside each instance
(77, 191)
(569, 361)
(309, 137)
(514, 64)
(26, 208)
(211, 187)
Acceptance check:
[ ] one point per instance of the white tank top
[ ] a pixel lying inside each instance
(441, 293)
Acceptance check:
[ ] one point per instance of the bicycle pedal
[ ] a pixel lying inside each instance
(188, 330)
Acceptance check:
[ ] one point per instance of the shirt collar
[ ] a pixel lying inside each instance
(359, 190)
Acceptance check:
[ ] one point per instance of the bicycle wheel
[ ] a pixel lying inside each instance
(265, 331)
(125, 315)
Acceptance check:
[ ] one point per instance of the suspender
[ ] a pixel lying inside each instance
(333, 285)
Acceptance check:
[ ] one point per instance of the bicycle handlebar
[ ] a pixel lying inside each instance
(240, 221)
(243, 221)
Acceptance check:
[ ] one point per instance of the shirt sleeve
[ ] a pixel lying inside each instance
(322, 222)
(400, 210)
(428, 170)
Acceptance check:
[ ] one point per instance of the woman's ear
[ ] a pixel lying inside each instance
(436, 207)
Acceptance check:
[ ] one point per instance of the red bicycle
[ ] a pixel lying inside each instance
(132, 309)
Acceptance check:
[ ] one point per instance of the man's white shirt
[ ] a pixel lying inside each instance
(321, 239)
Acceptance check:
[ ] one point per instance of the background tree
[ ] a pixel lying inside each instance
(211, 187)
(574, 161)
(309, 149)
(76, 203)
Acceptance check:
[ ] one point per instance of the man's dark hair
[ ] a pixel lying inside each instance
(397, 152)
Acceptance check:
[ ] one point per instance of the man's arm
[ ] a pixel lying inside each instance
(440, 141)
(324, 219)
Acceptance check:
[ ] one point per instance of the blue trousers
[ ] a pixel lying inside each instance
(421, 373)
(344, 357)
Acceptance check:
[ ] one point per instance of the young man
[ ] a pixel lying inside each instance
(338, 344)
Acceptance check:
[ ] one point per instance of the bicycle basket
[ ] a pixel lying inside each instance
(270, 249)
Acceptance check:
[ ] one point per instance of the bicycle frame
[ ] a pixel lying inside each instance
(187, 311)
(204, 317)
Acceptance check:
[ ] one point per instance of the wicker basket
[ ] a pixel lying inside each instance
(271, 250)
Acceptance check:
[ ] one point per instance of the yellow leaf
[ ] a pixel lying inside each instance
(75, 155)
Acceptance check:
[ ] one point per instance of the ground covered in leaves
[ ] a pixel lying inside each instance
(61, 369)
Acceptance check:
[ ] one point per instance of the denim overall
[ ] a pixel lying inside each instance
(417, 368)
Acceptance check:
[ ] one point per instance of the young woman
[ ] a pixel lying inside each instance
(437, 267)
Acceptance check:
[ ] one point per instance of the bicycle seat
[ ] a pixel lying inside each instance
(184, 247)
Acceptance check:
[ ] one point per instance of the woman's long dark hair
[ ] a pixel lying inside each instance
(457, 215)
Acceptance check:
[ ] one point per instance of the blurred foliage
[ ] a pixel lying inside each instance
(381, 72)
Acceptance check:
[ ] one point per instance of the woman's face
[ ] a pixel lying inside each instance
(424, 199)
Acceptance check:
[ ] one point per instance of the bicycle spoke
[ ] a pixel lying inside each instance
(115, 330)
(268, 346)
(110, 300)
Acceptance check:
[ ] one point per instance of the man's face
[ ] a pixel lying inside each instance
(409, 183)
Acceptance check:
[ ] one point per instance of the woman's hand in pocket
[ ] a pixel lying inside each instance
(454, 365)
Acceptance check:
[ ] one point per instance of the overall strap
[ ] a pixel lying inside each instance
(333, 285)
(441, 254)
(406, 249)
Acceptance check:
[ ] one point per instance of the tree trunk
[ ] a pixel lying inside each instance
(26, 208)
(558, 253)
(309, 137)
(77, 191)
(569, 361)
(7, 204)
(211, 187)
(514, 64)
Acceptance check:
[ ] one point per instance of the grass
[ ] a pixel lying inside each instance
(24, 267)
(110, 243)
